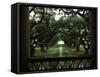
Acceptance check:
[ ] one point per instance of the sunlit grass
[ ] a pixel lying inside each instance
(54, 52)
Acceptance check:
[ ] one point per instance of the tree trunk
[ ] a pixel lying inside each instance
(77, 48)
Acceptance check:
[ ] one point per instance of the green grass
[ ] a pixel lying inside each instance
(54, 52)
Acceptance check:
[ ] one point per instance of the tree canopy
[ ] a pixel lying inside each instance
(47, 25)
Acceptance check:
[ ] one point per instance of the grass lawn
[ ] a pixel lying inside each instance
(54, 51)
